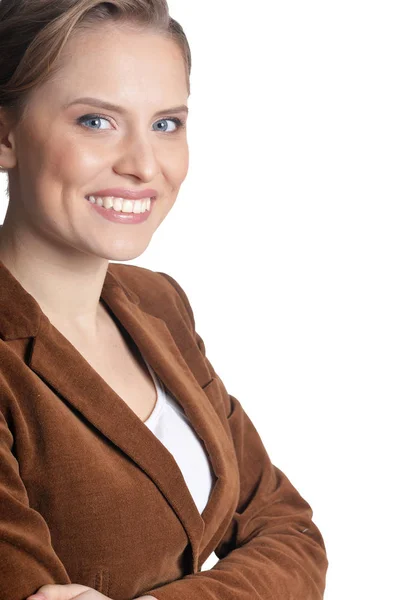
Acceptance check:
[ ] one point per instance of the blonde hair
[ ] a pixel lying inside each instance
(34, 32)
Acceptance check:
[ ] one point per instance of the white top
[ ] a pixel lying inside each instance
(170, 425)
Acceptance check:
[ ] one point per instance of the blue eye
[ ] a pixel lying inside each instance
(94, 117)
(178, 122)
(91, 118)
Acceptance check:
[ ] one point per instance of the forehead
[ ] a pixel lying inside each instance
(120, 62)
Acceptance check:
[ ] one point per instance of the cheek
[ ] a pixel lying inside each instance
(57, 171)
(71, 164)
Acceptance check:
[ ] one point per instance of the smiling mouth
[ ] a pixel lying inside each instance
(122, 204)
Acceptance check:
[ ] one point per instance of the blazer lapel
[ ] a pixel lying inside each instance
(157, 345)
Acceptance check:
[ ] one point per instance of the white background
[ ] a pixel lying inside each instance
(285, 238)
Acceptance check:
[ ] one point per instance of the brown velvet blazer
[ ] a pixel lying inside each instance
(89, 495)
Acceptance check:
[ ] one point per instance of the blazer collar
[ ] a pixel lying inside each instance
(83, 388)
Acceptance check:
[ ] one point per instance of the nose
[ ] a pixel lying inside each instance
(138, 158)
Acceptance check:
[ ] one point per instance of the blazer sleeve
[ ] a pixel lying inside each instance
(271, 550)
(27, 558)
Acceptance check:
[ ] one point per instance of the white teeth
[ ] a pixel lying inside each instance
(127, 206)
(122, 205)
(117, 205)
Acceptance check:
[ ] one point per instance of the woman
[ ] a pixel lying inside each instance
(124, 460)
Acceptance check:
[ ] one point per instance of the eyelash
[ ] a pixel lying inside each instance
(180, 124)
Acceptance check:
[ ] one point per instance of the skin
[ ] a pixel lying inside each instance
(52, 240)
(72, 591)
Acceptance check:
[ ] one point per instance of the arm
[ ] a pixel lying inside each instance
(271, 550)
(27, 558)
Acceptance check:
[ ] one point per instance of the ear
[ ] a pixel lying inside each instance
(8, 158)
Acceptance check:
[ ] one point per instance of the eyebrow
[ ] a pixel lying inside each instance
(120, 109)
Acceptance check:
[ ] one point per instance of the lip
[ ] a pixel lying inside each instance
(125, 193)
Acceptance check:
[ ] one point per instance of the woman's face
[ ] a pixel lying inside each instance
(63, 153)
